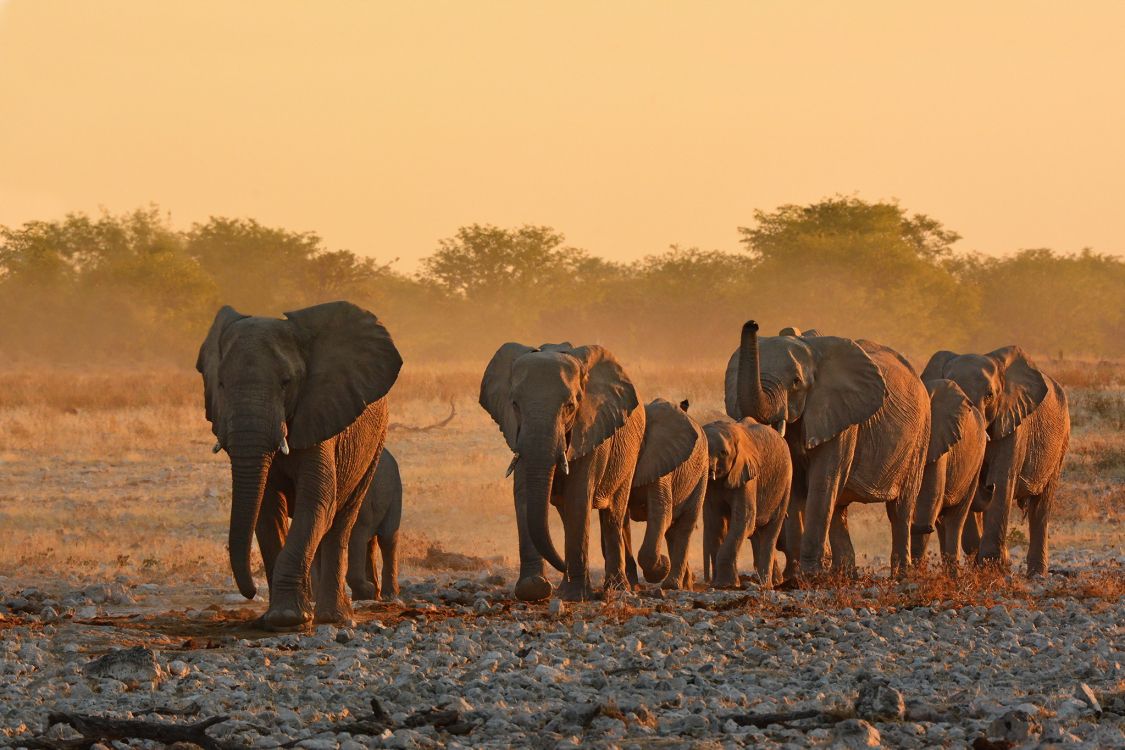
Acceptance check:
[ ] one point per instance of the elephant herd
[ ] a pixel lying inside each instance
(816, 423)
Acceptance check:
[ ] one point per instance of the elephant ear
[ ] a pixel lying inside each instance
(350, 362)
(1024, 389)
(847, 389)
(950, 412)
(609, 400)
(935, 368)
(670, 437)
(730, 388)
(496, 389)
(207, 363)
(744, 467)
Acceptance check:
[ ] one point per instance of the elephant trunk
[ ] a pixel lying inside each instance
(652, 559)
(754, 398)
(539, 457)
(714, 526)
(248, 482)
(929, 506)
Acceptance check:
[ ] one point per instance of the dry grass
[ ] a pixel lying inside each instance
(110, 472)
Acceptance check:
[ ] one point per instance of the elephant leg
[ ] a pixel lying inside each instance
(370, 569)
(388, 548)
(951, 532)
(612, 522)
(579, 493)
(840, 542)
(272, 528)
(743, 512)
(970, 535)
(899, 513)
(714, 530)
(659, 505)
(630, 561)
(360, 549)
(765, 545)
(827, 475)
(1038, 514)
(994, 539)
(332, 601)
(679, 538)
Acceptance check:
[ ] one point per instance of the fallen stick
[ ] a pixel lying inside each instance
(397, 427)
(782, 717)
(100, 728)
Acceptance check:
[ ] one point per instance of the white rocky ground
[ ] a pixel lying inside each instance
(637, 672)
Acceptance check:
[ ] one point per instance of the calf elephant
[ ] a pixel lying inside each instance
(953, 461)
(747, 496)
(300, 407)
(574, 424)
(1029, 430)
(861, 423)
(377, 526)
(668, 488)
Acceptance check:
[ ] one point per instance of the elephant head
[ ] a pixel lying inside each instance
(950, 416)
(1004, 384)
(273, 385)
(554, 404)
(827, 382)
(730, 454)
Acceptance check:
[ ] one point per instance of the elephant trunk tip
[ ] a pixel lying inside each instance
(750, 326)
(918, 528)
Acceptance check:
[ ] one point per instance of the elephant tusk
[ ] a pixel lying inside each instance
(284, 447)
(780, 427)
(512, 466)
(563, 464)
(216, 447)
(713, 476)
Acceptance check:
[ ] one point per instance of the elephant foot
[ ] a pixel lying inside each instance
(283, 620)
(575, 591)
(364, 592)
(389, 593)
(534, 588)
(725, 582)
(335, 615)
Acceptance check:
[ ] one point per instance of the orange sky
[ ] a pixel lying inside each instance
(627, 125)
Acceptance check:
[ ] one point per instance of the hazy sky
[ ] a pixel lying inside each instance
(628, 126)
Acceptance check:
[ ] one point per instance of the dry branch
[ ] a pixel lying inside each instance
(96, 729)
(397, 427)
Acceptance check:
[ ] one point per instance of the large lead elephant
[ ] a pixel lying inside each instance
(574, 424)
(300, 407)
(858, 420)
(1029, 430)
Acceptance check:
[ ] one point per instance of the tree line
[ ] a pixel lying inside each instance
(132, 288)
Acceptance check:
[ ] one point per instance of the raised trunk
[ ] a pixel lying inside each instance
(537, 473)
(248, 482)
(753, 398)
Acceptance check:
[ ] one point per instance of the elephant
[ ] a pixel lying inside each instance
(958, 436)
(377, 526)
(748, 492)
(667, 491)
(1029, 431)
(572, 419)
(299, 405)
(857, 421)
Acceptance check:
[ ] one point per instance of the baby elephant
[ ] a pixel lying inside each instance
(958, 436)
(667, 491)
(747, 496)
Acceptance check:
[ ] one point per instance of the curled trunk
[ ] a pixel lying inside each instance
(755, 398)
(929, 506)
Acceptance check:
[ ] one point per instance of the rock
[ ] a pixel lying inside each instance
(344, 635)
(136, 667)
(1083, 693)
(178, 668)
(1015, 726)
(878, 701)
(853, 733)
(556, 607)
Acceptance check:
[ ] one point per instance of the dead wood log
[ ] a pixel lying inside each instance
(397, 427)
(104, 729)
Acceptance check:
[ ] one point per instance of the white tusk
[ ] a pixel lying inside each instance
(284, 447)
(217, 447)
(781, 428)
(713, 477)
(512, 466)
(563, 464)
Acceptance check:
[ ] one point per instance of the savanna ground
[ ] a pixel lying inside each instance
(108, 477)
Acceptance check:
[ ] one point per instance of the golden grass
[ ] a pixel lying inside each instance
(110, 472)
